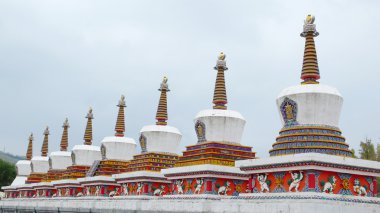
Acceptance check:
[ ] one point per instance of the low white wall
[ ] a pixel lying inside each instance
(254, 204)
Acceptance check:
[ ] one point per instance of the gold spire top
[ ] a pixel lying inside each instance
(310, 70)
(220, 95)
(29, 152)
(162, 110)
(88, 133)
(45, 144)
(221, 56)
(120, 122)
(65, 136)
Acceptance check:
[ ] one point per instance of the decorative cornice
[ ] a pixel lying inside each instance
(309, 164)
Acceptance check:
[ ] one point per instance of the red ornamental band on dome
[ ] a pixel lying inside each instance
(310, 70)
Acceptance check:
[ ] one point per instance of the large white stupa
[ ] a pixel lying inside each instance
(310, 111)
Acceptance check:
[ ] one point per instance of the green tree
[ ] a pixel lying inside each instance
(7, 173)
(353, 153)
(378, 152)
(367, 150)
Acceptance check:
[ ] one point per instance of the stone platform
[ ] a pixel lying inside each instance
(253, 203)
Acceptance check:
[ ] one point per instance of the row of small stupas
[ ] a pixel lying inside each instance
(309, 155)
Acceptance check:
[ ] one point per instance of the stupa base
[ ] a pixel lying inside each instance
(207, 179)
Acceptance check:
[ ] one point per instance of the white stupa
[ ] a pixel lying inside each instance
(310, 111)
(24, 166)
(219, 124)
(160, 137)
(86, 154)
(40, 164)
(119, 147)
(60, 160)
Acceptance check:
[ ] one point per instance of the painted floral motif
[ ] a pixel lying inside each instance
(346, 184)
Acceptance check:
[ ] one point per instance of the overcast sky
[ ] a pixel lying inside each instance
(57, 58)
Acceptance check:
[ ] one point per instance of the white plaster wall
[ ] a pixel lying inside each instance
(40, 164)
(161, 138)
(119, 148)
(317, 104)
(23, 167)
(60, 160)
(86, 154)
(143, 204)
(222, 125)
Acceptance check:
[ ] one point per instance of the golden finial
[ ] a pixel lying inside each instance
(31, 137)
(46, 132)
(221, 56)
(309, 19)
(66, 123)
(89, 114)
(164, 84)
(121, 101)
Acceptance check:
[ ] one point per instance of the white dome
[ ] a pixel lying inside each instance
(160, 138)
(85, 155)
(40, 164)
(60, 160)
(221, 125)
(23, 167)
(317, 104)
(118, 148)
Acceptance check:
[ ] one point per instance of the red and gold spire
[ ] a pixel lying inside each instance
(310, 70)
(45, 144)
(88, 133)
(29, 152)
(65, 136)
(220, 95)
(162, 110)
(120, 122)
